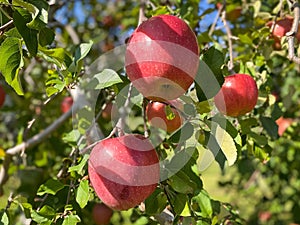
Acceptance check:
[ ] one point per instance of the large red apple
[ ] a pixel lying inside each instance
(237, 96)
(162, 58)
(281, 27)
(2, 96)
(124, 170)
(102, 214)
(158, 116)
(66, 104)
(283, 124)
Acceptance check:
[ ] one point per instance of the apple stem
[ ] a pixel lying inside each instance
(145, 103)
(295, 7)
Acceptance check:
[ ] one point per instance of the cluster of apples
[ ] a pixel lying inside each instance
(161, 61)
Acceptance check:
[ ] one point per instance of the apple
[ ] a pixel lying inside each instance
(66, 104)
(157, 115)
(281, 27)
(264, 216)
(283, 124)
(2, 96)
(101, 214)
(232, 14)
(237, 96)
(106, 112)
(162, 58)
(124, 170)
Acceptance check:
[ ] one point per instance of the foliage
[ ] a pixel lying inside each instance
(53, 49)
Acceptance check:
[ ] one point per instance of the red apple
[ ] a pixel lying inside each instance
(264, 216)
(124, 170)
(157, 115)
(237, 96)
(162, 58)
(2, 96)
(281, 27)
(102, 214)
(66, 104)
(283, 124)
(106, 113)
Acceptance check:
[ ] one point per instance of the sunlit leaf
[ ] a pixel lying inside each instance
(82, 194)
(11, 61)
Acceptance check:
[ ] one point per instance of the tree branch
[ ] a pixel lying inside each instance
(295, 7)
(229, 37)
(36, 139)
(3, 27)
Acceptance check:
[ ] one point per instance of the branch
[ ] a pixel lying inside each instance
(229, 37)
(3, 27)
(295, 7)
(36, 139)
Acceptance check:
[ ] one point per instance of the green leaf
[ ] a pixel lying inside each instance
(82, 51)
(178, 202)
(71, 220)
(104, 79)
(83, 194)
(58, 56)
(38, 11)
(183, 134)
(156, 202)
(169, 113)
(46, 36)
(47, 211)
(270, 126)
(212, 144)
(227, 145)
(225, 124)
(11, 61)
(182, 183)
(21, 18)
(80, 167)
(50, 187)
(209, 78)
(204, 202)
(4, 218)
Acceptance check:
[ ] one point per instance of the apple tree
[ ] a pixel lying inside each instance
(112, 111)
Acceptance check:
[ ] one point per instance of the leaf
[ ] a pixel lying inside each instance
(4, 218)
(212, 144)
(104, 79)
(50, 187)
(227, 145)
(156, 202)
(209, 78)
(11, 61)
(183, 134)
(270, 126)
(82, 51)
(83, 194)
(178, 202)
(46, 36)
(59, 56)
(204, 202)
(225, 124)
(182, 183)
(38, 11)
(71, 220)
(80, 167)
(21, 18)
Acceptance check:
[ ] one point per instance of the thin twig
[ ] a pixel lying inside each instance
(229, 37)
(3, 27)
(142, 16)
(295, 7)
